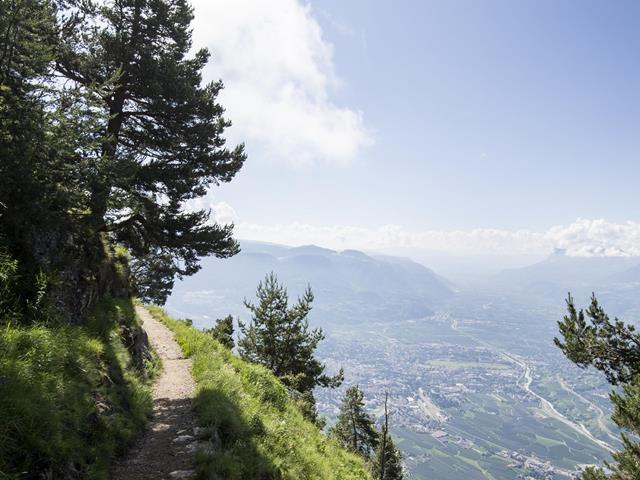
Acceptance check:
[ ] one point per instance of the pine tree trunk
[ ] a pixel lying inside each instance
(385, 429)
(355, 431)
(101, 190)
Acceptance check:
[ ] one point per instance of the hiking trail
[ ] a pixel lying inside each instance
(167, 448)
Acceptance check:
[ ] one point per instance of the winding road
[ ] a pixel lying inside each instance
(524, 382)
(601, 414)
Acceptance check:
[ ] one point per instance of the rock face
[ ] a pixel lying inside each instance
(72, 272)
(68, 266)
(137, 342)
(183, 439)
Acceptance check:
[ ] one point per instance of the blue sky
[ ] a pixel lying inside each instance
(429, 118)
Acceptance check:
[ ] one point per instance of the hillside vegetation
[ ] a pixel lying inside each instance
(108, 138)
(71, 398)
(254, 428)
(107, 130)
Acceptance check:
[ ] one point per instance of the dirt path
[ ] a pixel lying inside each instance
(167, 449)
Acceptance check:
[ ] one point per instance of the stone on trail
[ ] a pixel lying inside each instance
(182, 474)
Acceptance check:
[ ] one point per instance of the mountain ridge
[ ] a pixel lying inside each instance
(349, 285)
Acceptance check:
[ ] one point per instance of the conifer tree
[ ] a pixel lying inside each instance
(161, 143)
(45, 133)
(27, 162)
(223, 331)
(591, 339)
(278, 337)
(354, 428)
(387, 459)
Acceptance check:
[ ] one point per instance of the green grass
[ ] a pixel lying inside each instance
(70, 397)
(547, 442)
(255, 429)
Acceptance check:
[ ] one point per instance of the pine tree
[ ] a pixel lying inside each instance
(45, 135)
(223, 331)
(612, 347)
(354, 428)
(161, 143)
(26, 158)
(387, 459)
(279, 338)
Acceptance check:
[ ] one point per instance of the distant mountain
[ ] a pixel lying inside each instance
(565, 270)
(614, 280)
(350, 286)
(628, 276)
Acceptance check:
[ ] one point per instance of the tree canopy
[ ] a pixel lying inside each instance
(278, 337)
(591, 338)
(386, 463)
(107, 135)
(355, 428)
(162, 142)
(222, 331)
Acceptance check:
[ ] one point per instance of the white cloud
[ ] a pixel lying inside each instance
(278, 73)
(581, 238)
(597, 238)
(221, 212)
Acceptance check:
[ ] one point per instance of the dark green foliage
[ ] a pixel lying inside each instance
(354, 428)
(279, 338)
(27, 30)
(154, 277)
(612, 347)
(28, 42)
(46, 144)
(105, 134)
(386, 463)
(162, 142)
(223, 331)
(108, 154)
(9, 303)
(591, 339)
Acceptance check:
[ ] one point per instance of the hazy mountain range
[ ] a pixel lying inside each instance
(571, 271)
(356, 287)
(348, 285)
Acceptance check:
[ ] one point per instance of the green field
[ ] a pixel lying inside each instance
(475, 373)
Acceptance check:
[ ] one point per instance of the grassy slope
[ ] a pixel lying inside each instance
(255, 429)
(69, 397)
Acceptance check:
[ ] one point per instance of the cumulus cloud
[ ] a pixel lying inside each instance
(581, 238)
(221, 212)
(279, 74)
(596, 238)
